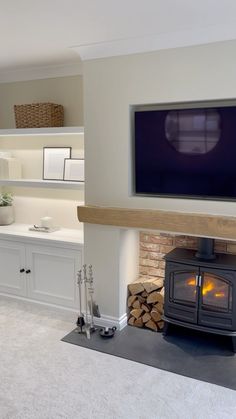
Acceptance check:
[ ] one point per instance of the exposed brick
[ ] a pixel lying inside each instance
(149, 262)
(162, 264)
(220, 247)
(231, 248)
(155, 238)
(166, 235)
(156, 256)
(186, 242)
(144, 237)
(143, 254)
(145, 270)
(150, 246)
(166, 249)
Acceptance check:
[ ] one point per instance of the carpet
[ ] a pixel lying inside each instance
(189, 353)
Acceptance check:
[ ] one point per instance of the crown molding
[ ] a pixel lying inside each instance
(41, 72)
(168, 40)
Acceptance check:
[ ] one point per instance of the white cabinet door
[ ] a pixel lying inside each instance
(52, 276)
(12, 268)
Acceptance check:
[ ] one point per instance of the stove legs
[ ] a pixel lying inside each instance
(166, 328)
(234, 343)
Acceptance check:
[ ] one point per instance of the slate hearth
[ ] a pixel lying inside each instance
(186, 352)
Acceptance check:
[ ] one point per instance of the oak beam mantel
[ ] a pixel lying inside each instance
(218, 226)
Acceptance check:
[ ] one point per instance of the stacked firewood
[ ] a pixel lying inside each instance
(145, 302)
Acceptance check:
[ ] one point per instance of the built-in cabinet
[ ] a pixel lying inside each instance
(41, 272)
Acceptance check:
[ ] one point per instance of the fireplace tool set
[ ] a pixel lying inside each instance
(85, 321)
(86, 289)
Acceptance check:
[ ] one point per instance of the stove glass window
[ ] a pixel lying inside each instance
(216, 293)
(183, 287)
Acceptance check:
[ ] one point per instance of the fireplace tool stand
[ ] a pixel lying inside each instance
(86, 290)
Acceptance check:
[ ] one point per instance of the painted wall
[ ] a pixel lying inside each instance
(67, 91)
(110, 86)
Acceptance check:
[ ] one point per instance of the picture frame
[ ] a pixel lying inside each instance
(74, 170)
(53, 162)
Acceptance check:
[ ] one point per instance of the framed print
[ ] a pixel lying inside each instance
(53, 162)
(74, 170)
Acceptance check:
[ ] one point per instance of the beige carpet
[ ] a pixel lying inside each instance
(44, 378)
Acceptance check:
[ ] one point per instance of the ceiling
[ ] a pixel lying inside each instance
(36, 34)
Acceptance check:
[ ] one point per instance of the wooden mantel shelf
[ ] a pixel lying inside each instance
(218, 226)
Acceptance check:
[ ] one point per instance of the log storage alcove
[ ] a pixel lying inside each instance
(145, 303)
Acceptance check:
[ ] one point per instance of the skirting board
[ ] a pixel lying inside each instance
(109, 321)
(103, 321)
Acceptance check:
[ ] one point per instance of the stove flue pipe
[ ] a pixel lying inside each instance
(205, 249)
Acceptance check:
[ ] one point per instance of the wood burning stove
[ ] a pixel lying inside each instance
(200, 290)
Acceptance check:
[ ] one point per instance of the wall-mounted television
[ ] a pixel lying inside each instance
(185, 150)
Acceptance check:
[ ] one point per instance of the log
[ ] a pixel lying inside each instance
(152, 285)
(131, 300)
(159, 307)
(136, 312)
(131, 321)
(138, 322)
(136, 304)
(155, 316)
(135, 288)
(162, 292)
(151, 325)
(144, 294)
(160, 324)
(146, 317)
(154, 297)
(146, 308)
(141, 299)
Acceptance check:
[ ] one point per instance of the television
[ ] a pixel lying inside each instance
(186, 150)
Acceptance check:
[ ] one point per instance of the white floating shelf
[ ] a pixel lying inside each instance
(38, 183)
(41, 131)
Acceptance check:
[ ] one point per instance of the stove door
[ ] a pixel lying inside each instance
(216, 298)
(181, 292)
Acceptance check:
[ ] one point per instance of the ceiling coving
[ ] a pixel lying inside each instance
(60, 32)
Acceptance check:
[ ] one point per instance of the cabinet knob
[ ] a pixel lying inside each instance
(22, 270)
(28, 271)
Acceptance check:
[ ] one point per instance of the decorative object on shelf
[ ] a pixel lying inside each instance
(6, 209)
(74, 170)
(39, 115)
(53, 162)
(41, 229)
(85, 285)
(10, 168)
(46, 222)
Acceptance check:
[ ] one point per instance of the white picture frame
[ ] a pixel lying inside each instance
(53, 162)
(74, 170)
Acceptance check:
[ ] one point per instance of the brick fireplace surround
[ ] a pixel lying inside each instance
(154, 246)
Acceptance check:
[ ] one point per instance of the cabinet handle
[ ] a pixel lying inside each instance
(22, 270)
(28, 271)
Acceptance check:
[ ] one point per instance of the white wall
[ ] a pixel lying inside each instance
(110, 86)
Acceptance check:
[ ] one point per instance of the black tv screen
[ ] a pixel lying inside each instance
(185, 152)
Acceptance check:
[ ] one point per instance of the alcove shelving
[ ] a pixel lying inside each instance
(32, 194)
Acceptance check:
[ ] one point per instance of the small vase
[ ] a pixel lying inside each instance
(6, 215)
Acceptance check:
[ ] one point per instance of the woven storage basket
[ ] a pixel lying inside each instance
(39, 115)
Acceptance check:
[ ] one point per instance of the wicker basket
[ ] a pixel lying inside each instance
(39, 115)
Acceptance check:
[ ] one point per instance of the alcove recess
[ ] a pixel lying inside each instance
(33, 197)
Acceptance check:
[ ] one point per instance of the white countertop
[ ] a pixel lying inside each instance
(63, 235)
